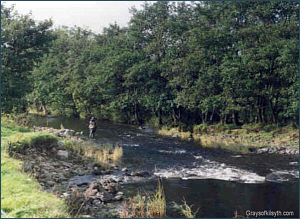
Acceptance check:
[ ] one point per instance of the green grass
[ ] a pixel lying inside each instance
(21, 196)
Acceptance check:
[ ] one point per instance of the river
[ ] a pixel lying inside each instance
(216, 182)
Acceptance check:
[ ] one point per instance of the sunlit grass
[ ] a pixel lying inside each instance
(156, 205)
(21, 196)
(106, 156)
(134, 208)
(210, 136)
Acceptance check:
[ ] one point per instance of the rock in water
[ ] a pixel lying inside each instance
(278, 177)
(141, 174)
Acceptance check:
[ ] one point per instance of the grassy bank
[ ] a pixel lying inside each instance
(105, 156)
(21, 196)
(21, 193)
(238, 139)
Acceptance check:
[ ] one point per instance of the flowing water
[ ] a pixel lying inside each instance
(217, 182)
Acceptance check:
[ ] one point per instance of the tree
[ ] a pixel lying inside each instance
(23, 43)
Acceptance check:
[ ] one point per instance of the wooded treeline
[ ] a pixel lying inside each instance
(175, 63)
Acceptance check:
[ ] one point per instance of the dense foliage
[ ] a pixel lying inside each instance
(23, 43)
(176, 63)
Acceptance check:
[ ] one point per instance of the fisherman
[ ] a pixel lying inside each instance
(92, 126)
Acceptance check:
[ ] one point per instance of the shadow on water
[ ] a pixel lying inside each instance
(217, 198)
(219, 183)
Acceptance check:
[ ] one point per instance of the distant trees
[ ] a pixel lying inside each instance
(176, 63)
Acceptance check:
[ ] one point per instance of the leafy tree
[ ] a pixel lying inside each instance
(23, 43)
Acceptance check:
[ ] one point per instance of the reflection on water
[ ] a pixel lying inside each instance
(216, 181)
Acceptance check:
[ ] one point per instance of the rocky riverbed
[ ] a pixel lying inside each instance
(89, 190)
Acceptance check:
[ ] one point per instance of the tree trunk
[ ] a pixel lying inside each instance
(206, 114)
(159, 117)
(235, 118)
(212, 115)
(43, 108)
(262, 115)
(272, 112)
(136, 117)
(203, 118)
(259, 118)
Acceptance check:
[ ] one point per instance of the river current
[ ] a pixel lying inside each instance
(216, 182)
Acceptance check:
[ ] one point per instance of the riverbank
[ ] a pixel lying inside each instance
(83, 177)
(48, 175)
(146, 156)
(21, 195)
(247, 139)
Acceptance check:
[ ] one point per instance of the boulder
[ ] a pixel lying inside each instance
(252, 149)
(272, 150)
(105, 196)
(65, 164)
(97, 202)
(70, 132)
(62, 154)
(60, 145)
(140, 174)
(96, 172)
(278, 177)
(50, 183)
(28, 167)
(117, 198)
(262, 150)
(294, 164)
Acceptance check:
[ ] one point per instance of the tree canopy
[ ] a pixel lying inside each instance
(176, 63)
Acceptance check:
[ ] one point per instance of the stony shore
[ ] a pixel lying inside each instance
(267, 146)
(88, 190)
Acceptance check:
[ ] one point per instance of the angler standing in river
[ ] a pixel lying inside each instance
(93, 127)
